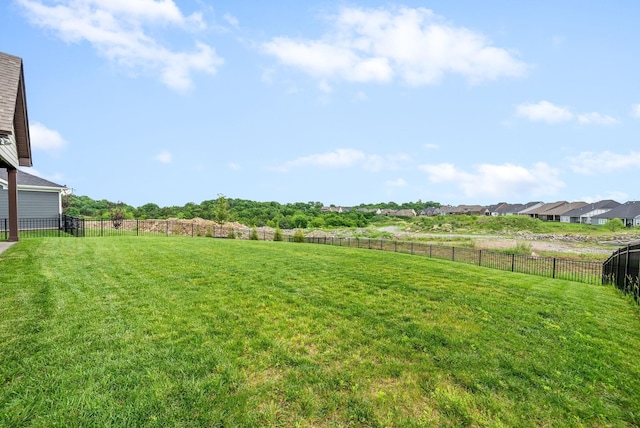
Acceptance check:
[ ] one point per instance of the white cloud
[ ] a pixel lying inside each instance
(590, 163)
(615, 195)
(431, 146)
(120, 31)
(635, 111)
(497, 181)
(361, 96)
(345, 158)
(234, 166)
(379, 45)
(231, 20)
(544, 111)
(164, 157)
(325, 87)
(397, 183)
(596, 119)
(43, 138)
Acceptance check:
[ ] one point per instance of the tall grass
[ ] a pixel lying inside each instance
(186, 332)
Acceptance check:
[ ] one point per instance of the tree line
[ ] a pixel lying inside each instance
(250, 213)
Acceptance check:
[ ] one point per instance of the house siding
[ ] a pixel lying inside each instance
(9, 153)
(32, 204)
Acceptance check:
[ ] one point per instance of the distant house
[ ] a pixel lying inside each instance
(404, 213)
(429, 211)
(554, 214)
(629, 213)
(585, 213)
(538, 211)
(493, 210)
(468, 210)
(37, 197)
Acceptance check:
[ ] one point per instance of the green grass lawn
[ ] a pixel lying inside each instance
(142, 331)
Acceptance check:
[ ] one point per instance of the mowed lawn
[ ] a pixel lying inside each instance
(135, 331)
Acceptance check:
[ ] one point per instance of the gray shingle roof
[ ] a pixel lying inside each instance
(627, 210)
(25, 179)
(604, 204)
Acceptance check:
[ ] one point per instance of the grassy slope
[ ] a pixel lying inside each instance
(203, 332)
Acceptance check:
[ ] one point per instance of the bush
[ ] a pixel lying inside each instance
(614, 224)
(253, 236)
(231, 234)
(298, 236)
(277, 235)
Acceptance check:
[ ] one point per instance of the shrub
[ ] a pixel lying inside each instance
(298, 236)
(614, 224)
(253, 236)
(277, 235)
(231, 234)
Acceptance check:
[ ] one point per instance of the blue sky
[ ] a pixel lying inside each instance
(340, 102)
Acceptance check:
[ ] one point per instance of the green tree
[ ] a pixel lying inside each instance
(221, 210)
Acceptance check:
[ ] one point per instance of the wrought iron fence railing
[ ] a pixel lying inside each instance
(622, 269)
(551, 267)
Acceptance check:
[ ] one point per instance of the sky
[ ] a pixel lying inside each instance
(458, 102)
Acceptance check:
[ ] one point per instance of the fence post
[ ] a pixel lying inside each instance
(513, 262)
(453, 254)
(137, 227)
(380, 244)
(101, 227)
(480, 258)
(395, 246)
(626, 267)
(166, 223)
(430, 248)
(411, 247)
(553, 274)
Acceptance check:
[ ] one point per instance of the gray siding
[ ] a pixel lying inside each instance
(32, 204)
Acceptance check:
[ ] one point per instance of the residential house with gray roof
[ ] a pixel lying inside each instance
(37, 197)
(554, 214)
(629, 213)
(585, 213)
(535, 211)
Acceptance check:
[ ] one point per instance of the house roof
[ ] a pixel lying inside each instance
(542, 210)
(629, 209)
(509, 208)
(562, 209)
(13, 106)
(604, 204)
(27, 180)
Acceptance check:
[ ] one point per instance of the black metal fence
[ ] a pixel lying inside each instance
(623, 270)
(43, 227)
(551, 267)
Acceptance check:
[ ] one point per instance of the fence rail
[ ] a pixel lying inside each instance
(551, 267)
(622, 268)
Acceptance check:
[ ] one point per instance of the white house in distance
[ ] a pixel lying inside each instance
(37, 197)
(629, 213)
(15, 142)
(585, 213)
